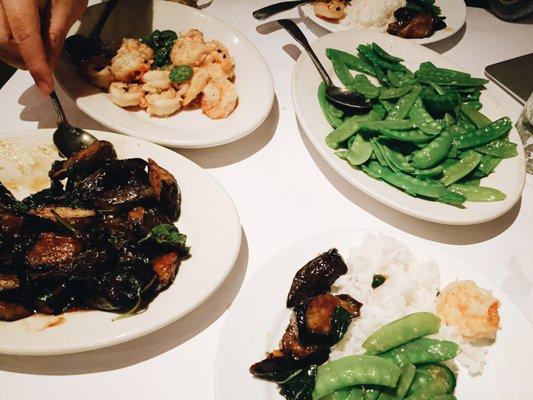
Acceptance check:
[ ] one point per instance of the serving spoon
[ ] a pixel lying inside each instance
(81, 47)
(67, 138)
(340, 96)
(268, 11)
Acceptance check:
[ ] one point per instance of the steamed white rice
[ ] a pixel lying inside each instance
(372, 14)
(411, 286)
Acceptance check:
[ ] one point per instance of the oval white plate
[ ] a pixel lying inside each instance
(187, 129)
(258, 317)
(509, 176)
(453, 10)
(208, 217)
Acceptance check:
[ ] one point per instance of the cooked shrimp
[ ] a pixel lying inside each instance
(195, 85)
(163, 104)
(156, 81)
(132, 60)
(473, 311)
(219, 98)
(332, 10)
(189, 49)
(98, 72)
(125, 95)
(218, 54)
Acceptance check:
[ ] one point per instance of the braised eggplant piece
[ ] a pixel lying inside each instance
(291, 344)
(316, 277)
(417, 20)
(84, 161)
(165, 188)
(325, 318)
(278, 367)
(102, 239)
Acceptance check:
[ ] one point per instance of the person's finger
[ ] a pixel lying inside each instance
(61, 14)
(9, 51)
(25, 24)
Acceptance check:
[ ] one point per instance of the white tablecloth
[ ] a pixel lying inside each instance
(284, 192)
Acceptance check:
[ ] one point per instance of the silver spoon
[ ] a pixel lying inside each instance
(82, 47)
(268, 11)
(67, 138)
(340, 96)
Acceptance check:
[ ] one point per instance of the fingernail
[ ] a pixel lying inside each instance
(44, 87)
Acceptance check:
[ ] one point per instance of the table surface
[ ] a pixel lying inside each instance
(177, 362)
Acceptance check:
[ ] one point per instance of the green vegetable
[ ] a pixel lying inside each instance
(348, 129)
(351, 61)
(397, 159)
(370, 55)
(397, 125)
(440, 372)
(488, 164)
(347, 393)
(170, 235)
(378, 280)
(404, 104)
(421, 378)
(394, 92)
(360, 151)
(423, 120)
(475, 116)
(477, 193)
(422, 351)
(484, 135)
(452, 198)
(434, 152)
(180, 73)
(341, 70)
(161, 42)
(408, 373)
(461, 168)
(500, 148)
(401, 78)
(355, 370)
(440, 104)
(401, 331)
(301, 385)
(414, 136)
(428, 173)
(381, 53)
(444, 397)
(441, 76)
(361, 84)
(332, 114)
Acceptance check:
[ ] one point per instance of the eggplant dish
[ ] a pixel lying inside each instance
(318, 321)
(101, 237)
(418, 19)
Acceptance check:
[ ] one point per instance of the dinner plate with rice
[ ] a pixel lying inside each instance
(393, 286)
(376, 15)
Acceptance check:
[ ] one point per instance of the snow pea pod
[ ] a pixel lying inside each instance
(369, 54)
(423, 120)
(488, 164)
(397, 159)
(448, 78)
(380, 109)
(395, 124)
(355, 370)
(452, 198)
(394, 92)
(477, 193)
(376, 148)
(461, 168)
(371, 394)
(475, 116)
(484, 135)
(421, 378)
(349, 128)
(422, 351)
(360, 151)
(347, 393)
(434, 152)
(408, 373)
(342, 154)
(381, 53)
(401, 78)
(448, 396)
(428, 173)
(403, 330)
(404, 104)
(352, 62)
(330, 112)
(341, 70)
(429, 391)
(499, 148)
(414, 136)
(361, 84)
(440, 104)
(440, 372)
(373, 169)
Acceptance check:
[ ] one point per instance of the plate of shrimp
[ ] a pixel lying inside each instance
(172, 75)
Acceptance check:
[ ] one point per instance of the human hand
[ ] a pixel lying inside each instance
(32, 33)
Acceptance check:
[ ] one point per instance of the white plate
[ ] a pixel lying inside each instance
(509, 176)
(453, 10)
(187, 129)
(208, 217)
(258, 317)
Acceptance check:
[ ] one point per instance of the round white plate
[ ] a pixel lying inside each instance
(258, 317)
(186, 129)
(453, 10)
(509, 176)
(208, 217)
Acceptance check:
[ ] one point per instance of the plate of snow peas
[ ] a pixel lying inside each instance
(435, 144)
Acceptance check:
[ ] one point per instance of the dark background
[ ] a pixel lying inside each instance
(6, 71)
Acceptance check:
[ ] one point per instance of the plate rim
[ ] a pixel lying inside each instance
(347, 231)
(6, 349)
(423, 41)
(355, 181)
(176, 142)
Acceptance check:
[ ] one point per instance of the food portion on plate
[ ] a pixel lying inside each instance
(425, 133)
(405, 18)
(164, 73)
(404, 336)
(102, 236)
